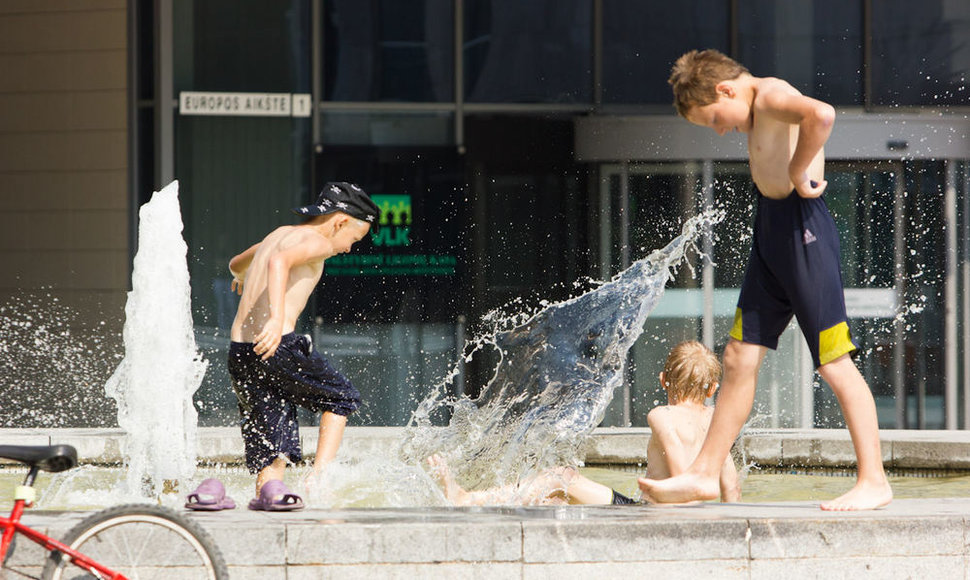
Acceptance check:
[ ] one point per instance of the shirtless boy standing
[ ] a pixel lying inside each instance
(273, 369)
(793, 268)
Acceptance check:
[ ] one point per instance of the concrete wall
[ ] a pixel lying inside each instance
(63, 153)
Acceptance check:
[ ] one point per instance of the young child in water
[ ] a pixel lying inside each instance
(677, 430)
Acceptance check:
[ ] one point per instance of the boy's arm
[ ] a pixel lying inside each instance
(729, 482)
(662, 427)
(815, 120)
(279, 266)
(238, 266)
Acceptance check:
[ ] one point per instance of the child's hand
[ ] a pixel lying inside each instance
(268, 340)
(806, 187)
(236, 286)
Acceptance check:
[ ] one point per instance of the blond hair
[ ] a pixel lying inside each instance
(695, 75)
(691, 369)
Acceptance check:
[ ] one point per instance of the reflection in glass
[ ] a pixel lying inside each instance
(641, 41)
(263, 47)
(814, 45)
(388, 50)
(379, 128)
(919, 52)
(528, 52)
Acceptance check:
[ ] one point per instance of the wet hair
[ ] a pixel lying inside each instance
(691, 369)
(695, 75)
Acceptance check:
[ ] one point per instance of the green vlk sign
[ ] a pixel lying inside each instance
(395, 221)
(390, 255)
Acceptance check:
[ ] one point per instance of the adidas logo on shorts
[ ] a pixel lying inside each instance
(808, 237)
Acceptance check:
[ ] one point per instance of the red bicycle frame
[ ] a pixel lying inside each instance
(12, 526)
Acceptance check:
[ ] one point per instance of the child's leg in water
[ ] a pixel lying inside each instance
(556, 486)
(579, 489)
(526, 494)
(455, 493)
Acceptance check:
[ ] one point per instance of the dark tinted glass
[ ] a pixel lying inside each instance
(242, 46)
(528, 52)
(641, 41)
(389, 50)
(919, 52)
(814, 45)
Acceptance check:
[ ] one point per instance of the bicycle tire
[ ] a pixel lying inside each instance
(141, 541)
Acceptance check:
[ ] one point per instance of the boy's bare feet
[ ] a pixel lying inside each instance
(683, 488)
(863, 496)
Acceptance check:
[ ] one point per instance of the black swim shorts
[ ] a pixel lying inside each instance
(794, 268)
(620, 499)
(269, 392)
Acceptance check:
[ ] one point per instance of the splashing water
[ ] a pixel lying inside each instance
(54, 362)
(154, 383)
(556, 376)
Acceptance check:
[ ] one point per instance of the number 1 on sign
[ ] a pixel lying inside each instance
(301, 105)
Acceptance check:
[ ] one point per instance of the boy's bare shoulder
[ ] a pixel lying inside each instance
(660, 416)
(307, 239)
(768, 85)
(769, 90)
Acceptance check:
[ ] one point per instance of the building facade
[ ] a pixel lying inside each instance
(516, 148)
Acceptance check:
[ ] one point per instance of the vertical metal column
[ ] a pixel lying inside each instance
(316, 73)
(965, 295)
(459, 72)
(134, 129)
(950, 296)
(707, 275)
(624, 215)
(624, 264)
(605, 211)
(899, 283)
(164, 95)
(806, 376)
(597, 54)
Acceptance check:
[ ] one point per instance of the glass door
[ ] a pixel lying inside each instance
(862, 197)
(643, 206)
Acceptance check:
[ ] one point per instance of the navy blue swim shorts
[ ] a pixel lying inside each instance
(269, 392)
(794, 268)
(620, 499)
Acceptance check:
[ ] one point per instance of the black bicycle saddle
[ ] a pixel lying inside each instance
(51, 458)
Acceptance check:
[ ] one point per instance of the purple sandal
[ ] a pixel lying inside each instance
(274, 496)
(210, 496)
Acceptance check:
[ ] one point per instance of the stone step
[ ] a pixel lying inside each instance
(907, 539)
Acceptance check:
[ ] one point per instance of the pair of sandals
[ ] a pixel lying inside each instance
(274, 496)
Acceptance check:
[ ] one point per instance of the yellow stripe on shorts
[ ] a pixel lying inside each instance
(833, 343)
(737, 332)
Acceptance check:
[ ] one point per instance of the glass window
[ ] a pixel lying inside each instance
(734, 194)
(814, 45)
(528, 52)
(641, 41)
(920, 54)
(228, 45)
(389, 50)
(238, 176)
(379, 128)
(410, 271)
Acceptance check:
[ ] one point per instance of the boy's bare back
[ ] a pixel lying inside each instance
(308, 249)
(677, 433)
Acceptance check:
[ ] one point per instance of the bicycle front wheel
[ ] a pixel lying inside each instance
(140, 541)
